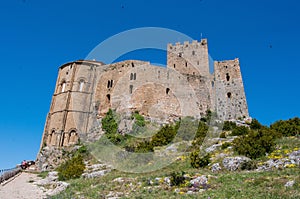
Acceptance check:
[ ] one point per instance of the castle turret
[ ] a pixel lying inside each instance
(189, 58)
(70, 107)
(229, 90)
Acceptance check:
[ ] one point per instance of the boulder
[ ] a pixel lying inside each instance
(216, 167)
(234, 163)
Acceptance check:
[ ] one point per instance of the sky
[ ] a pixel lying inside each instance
(37, 37)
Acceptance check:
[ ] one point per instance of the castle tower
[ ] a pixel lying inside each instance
(71, 104)
(189, 58)
(229, 90)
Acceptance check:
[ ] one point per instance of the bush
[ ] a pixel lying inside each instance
(240, 130)
(289, 127)
(198, 161)
(177, 178)
(256, 143)
(249, 165)
(200, 134)
(255, 125)
(223, 135)
(109, 124)
(139, 119)
(229, 126)
(225, 145)
(72, 168)
(164, 136)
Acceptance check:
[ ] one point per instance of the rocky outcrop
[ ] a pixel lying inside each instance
(51, 184)
(96, 170)
(234, 163)
(50, 158)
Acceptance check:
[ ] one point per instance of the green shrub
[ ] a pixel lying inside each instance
(286, 128)
(249, 165)
(240, 130)
(200, 134)
(72, 168)
(225, 145)
(177, 179)
(164, 136)
(109, 123)
(198, 161)
(223, 135)
(255, 125)
(256, 143)
(139, 119)
(228, 126)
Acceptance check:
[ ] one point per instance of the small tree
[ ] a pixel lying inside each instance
(198, 161)
(72, 168)
(109, 124)
(255, 125)
(256, 143)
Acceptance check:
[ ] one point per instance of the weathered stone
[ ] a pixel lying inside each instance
(234, 163)
(167, 181)
(290, 183)
(85, 90)
(295, 157)
(216, 167)
(199, 181)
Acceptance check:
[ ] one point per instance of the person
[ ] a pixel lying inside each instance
(23, 164)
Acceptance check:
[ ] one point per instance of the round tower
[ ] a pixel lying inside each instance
(68, 117)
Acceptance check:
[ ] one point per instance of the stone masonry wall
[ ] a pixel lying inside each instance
(85, 90)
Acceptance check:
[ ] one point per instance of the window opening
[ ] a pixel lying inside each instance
(130, 89)
(167, 91)
(227, 77)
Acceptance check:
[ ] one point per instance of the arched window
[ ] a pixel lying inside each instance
(66, 139)
(134, 76)
(108, 97)
(110, 83)
(73, 137)
(130, 89)
(81, 84)
(63, 86)
(167, 91)
(53, 138)
(131, 76)
(212, 84)
(229, 95)
(227, 77)
(49, 138)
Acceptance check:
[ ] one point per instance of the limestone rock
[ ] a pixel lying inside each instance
(216, 167)
(234, 163)
(290, 183)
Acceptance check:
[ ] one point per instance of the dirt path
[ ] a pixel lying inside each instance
(22, 188)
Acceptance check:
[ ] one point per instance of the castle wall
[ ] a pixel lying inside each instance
(85, 90)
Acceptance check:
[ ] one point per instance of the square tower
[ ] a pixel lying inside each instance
(189, 58)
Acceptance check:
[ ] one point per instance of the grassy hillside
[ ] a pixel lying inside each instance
(274, 174)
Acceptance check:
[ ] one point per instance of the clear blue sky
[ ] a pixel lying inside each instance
(37, 37)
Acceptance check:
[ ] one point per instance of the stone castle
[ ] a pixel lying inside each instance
(86, 90)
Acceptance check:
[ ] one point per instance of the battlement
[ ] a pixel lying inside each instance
(187, 44)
